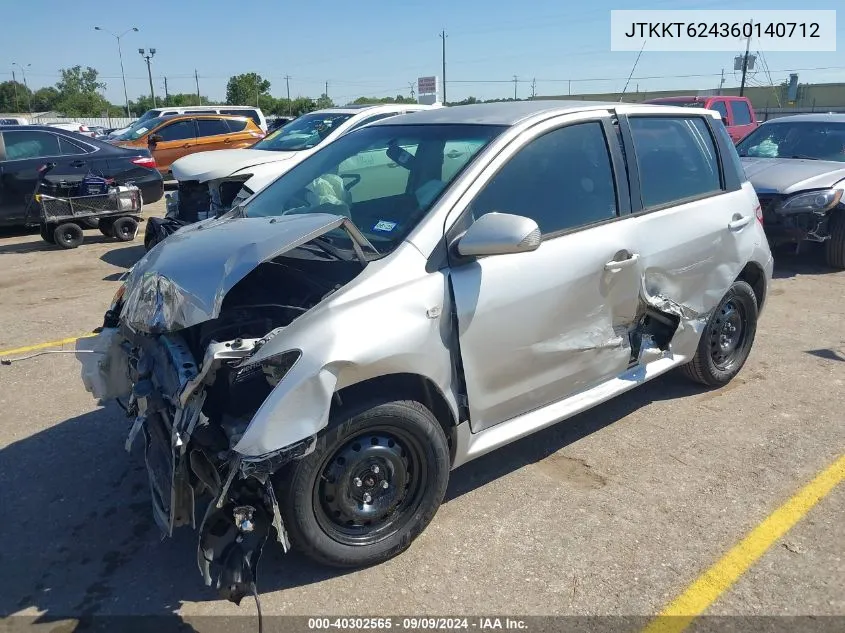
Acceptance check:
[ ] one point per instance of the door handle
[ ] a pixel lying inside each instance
(392, 165)
(186, 145)
(739, 222)
(228, 140)
(78, 163)
(454, 154)
(617, 264)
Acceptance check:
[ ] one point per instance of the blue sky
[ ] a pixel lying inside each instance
(374, 47)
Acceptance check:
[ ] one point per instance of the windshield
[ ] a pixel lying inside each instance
(149, 114)
(384, 178)
(305, 132)
(138, 129)
(819, 140)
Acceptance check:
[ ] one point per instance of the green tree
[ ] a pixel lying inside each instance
(78, 92)
(323, 102)
(246, 89)
(45, 99)
(396, 99)
(8, 102)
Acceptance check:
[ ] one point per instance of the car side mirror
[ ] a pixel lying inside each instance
(153, 140)
(499, 234)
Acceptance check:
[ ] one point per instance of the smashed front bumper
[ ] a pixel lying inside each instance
(787, 227)
(164, 389)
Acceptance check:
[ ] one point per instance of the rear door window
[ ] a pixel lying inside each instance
(676, 157)
(236, 125)
(212, 127)
(741, 113)
(177, 131)
(69, 148)
(21, 145)
(252, 114)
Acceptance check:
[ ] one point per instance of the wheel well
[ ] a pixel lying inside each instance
(398, 387)
(754, 276)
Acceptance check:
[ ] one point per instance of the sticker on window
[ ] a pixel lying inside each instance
(384, 225)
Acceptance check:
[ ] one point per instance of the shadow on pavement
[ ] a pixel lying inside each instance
(124, 257)
(827, 354)
(810, 261)
(83, 541)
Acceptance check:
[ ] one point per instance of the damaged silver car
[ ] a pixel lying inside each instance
(310, 366)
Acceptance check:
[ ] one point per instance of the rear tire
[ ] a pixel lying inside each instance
(371, 486)
(125, 229)
(726, 341)
(834, 250)
(68, 235)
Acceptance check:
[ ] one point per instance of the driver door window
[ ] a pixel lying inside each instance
(562, 180)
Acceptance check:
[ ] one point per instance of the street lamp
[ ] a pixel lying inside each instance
(148, 57)
(23, 72)
(120, 54)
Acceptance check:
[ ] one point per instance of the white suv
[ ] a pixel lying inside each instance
(209, 182)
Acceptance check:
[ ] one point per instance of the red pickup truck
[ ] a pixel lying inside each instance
(737, 112)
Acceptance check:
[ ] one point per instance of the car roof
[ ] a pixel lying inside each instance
(697, 98)
(512, 112)
(33, 128)
(384, 107)
(830, 117)
(202, 115)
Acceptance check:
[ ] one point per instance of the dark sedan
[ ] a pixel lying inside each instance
(24, 148)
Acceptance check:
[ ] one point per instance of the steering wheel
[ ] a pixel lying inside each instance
(355, 178)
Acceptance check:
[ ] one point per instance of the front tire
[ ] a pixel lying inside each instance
(726, 341)
(373, 483)
(834, 250)
(68, 235)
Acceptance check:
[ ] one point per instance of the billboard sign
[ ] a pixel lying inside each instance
(427, 85)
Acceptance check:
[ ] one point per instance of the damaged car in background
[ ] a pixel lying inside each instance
(309, 367)
(797, 167)
(209, 185)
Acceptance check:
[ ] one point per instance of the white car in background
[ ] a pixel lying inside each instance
(210, 183)
(74, 126)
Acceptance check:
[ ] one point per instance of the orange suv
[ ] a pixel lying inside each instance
(171, 137)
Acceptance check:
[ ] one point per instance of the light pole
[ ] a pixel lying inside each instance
(23, 72)
(148, 57)
(120, 54)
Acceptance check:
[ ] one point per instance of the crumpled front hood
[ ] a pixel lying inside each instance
(205, 166)
(791, 175)
(182, 281)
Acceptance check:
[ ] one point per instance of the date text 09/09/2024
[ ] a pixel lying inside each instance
(723, 29)
(417, 623)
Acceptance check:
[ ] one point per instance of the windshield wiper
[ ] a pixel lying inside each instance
(805, 157)
(327, 247)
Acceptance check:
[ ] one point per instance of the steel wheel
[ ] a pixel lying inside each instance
(727, 335)
(370, 487)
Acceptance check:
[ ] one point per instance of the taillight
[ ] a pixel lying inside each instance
(82, 128)
(144, 161)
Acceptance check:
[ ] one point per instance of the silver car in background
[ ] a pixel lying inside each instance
(416, 294)
(797, 167)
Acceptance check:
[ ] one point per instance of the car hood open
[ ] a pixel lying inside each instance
(790, 175)
(182, 281)
(205, 166)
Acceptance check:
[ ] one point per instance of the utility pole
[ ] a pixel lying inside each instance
(26, 87)
(147, 57)
(443, 37)
(15, 86)
(411, 85)
(256, 89)
(327, 89)
(197, 79)
(290, 103)
(166, 94)
(514, 87)
(721, 82)
(744, 66)
(120, 55)
(533, 88)
(569, 91)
